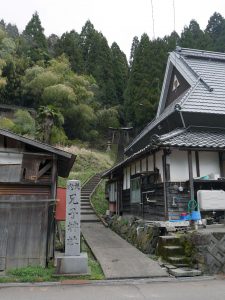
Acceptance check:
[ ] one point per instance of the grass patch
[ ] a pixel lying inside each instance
(98, 199)
(88, 163)
(41, 274)
(32, 274)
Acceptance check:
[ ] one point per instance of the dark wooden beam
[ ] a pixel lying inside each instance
(164, 185)
(190, 168)
(44, 170)
(197, 163)
(221, 161)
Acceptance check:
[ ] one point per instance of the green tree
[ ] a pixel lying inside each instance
(120, 71)
(140, 96)
(35, 40)
(23, 123)
(69, 43)
(193, 37)
(98, 63)
(216, 31)
(134, 46)
(48, 118)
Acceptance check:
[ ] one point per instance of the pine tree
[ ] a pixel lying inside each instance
(139, 94)
(193, 37)
(97, 58)
(69, 43)
(216, 31)
(120, 71)
(36, 42)
(134, 46)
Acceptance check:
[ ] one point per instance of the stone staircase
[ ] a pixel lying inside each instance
(172, 253)
(87, 213)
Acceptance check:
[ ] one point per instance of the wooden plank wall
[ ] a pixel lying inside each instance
(23, 228)
(154, 211)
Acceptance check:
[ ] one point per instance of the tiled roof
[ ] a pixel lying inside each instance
(206, 71)
(202, 100)
(196, 137)
(191, 137)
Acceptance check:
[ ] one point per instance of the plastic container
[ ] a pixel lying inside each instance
(195, 215)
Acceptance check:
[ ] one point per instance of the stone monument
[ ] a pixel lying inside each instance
(73, 261)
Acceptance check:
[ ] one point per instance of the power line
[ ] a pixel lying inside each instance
(174, 16)
(153, 21)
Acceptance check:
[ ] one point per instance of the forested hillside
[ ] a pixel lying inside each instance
(79, 85)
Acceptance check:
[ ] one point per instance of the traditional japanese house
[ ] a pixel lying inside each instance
(182, 151)
(28, 179)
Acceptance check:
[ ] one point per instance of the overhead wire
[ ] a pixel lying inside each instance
(153, 20)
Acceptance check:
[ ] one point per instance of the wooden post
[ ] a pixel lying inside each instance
(190, 167)
(221, 164)
(197, 163)
(164, 185)
(50, 244)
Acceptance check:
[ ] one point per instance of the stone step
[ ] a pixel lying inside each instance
(86, 206)
(87, 212)
(172, 251)
(180, 260)
(86, 203)
(169, 240)
(185, 272)
(89, 218)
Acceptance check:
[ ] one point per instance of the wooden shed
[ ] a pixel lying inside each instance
(28, 181)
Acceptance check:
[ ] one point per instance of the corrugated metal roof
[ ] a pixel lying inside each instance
(65, 159)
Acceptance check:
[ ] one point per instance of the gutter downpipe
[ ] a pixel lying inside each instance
(178, 108)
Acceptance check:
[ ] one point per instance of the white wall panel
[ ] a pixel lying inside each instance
(209, 163)
(143, 165)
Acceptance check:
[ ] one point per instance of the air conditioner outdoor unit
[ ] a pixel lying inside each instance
(211, 200)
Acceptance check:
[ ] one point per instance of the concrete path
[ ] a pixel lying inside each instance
(118, 258)
(201, 290)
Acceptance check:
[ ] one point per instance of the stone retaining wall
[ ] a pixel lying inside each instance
(141, 235)
(208, 250)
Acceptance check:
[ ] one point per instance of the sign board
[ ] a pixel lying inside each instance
(72, 242)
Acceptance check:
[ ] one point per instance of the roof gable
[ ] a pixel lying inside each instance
(204, 72)
(65, 159)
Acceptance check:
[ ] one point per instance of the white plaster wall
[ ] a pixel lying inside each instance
(133, 168)
(128, 177)
(178, 161)
(150, 163)
(138, 166)
(209, 163)
(158, 162)
(143, 165)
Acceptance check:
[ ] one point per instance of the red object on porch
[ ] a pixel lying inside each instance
(60, 214)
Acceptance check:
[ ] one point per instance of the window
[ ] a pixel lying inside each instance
(113, 192)
(135, 190)
(176, 83)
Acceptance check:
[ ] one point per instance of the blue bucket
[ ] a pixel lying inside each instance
(195, 215)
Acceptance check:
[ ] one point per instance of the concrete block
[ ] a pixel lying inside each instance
(73, 265)
(184, 272)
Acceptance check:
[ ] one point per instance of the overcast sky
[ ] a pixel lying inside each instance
(118, 20)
